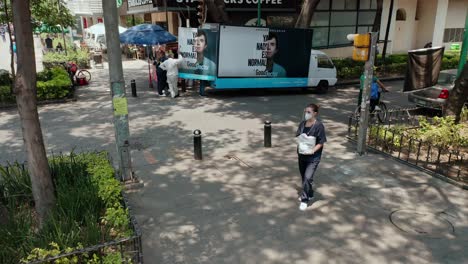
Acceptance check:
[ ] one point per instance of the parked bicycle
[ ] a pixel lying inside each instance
(77, 76)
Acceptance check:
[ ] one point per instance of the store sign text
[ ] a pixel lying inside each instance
(133, 3)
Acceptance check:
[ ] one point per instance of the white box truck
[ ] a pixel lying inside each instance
(239, 57)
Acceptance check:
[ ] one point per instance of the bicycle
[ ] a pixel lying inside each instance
(77, 76)
(380, 110)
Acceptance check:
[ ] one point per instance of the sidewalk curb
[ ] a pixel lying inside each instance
(357, 81)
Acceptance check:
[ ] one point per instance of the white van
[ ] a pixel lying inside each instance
(322, 71)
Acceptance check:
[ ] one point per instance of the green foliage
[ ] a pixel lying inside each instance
(5, 77)
(81, 57)
(53, 84)
(464, 114)
(5, 94)
(52, 13)
(442, 132)
(395, 64)
(88, 211)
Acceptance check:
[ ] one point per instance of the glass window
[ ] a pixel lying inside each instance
(343, 18)
(338, 4)
(324, 62)
(320, 19)
(323, 5)
(338, 35)
(366, 18)
(364, 29)
(351, 4)
(344, 4)
(373, 4)
(365, 4)
(320, 37)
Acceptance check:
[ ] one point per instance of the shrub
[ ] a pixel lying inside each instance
(88, 210)
(53, 84)
(81, 57)
(5, 77)
(443, 131)
(5, 95)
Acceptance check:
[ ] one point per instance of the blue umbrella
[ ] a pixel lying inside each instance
(146, 34)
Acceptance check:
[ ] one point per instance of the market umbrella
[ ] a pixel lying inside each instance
(100, 29)
(147, 34)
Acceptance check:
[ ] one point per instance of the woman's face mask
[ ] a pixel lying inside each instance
(308, 115)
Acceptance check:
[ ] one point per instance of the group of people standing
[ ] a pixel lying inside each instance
(167, 71)
(49, 45)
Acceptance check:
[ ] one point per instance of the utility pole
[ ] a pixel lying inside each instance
(365, 102)
(464, 50)
(119, 99)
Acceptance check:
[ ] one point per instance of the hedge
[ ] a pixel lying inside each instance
(394, 65)
(51, 84)
(80, 57)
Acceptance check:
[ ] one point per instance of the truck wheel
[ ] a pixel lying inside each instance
(322, 87)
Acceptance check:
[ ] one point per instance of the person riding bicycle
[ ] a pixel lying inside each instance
(376, 88)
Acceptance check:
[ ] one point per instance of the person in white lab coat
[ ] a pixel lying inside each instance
(171, 65)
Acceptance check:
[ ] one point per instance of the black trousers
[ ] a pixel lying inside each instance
(162, 83)
(307, 170)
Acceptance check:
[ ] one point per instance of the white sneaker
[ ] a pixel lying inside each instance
(303, 206)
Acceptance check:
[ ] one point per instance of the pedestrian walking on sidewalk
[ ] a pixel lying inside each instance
(309, 159)
(171, 65)
(160, 73)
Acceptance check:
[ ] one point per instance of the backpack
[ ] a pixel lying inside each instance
(374, 91)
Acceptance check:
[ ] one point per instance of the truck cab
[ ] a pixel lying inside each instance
(322, 71)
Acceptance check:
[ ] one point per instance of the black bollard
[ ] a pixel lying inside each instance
(197, 146)
(267, 134)
(133, 85)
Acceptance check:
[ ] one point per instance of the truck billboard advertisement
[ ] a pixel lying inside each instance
(199, 48)
(256, 52)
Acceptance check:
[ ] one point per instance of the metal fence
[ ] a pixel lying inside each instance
(389, 137)
(129, 249)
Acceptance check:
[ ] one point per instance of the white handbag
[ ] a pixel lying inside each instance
(305, 144)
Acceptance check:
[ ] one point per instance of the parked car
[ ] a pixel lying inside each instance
(435, 97)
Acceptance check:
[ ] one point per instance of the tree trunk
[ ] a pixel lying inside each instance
(378, 16)
(307, 12)
(458, 95)
(217, 11)
(26, 99)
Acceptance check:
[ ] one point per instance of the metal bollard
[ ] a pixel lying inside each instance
(197, 144)
(133, 85)
(267, 134)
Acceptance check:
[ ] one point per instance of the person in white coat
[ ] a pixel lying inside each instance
(171, 66)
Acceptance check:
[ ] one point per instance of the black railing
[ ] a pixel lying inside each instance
(389, 137)
(130, 248)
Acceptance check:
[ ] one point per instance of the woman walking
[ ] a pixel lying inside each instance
(309, 159)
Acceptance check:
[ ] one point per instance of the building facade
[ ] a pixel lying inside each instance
(412, 24)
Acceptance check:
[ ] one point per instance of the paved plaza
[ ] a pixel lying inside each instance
(239, 205)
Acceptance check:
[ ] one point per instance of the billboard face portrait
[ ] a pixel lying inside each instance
(264, 52)
(198, 47)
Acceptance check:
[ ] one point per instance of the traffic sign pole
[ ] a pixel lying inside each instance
(365, 102)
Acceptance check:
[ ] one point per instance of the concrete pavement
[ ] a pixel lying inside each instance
(239, 205)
